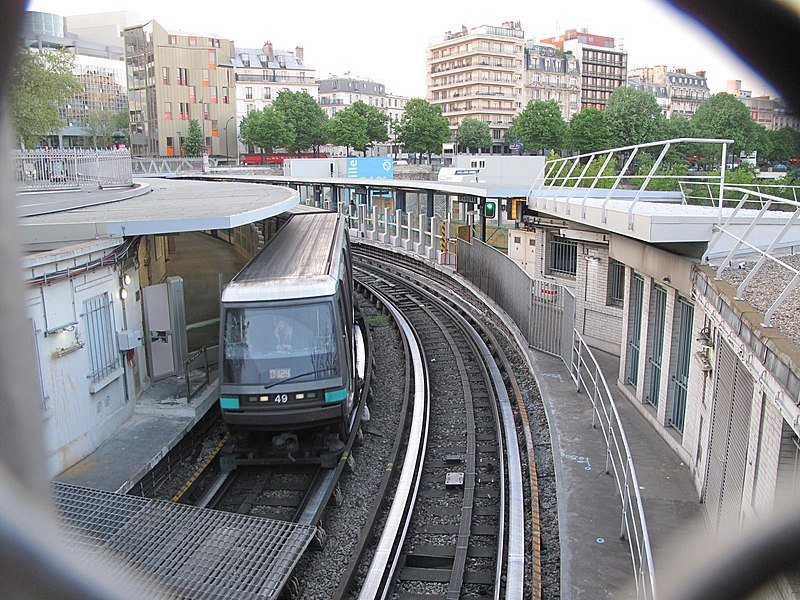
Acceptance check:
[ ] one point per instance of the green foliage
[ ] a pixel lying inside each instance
(724, 116)
(358, 127)
(193, 142)
(267, 129)
(102, 124)
(588, 131)
(377, 130)
(608, 173)
(539, 125)
(665, 178)
(422, 128)
(633, 117)
(348, 128)
(785, 144)
(306, 118)
(39, 83)
(473, 135)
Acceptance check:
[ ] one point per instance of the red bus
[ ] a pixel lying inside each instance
(275, 159)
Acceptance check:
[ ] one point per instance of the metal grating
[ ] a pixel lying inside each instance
(186, 551)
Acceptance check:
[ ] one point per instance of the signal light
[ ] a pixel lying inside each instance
(490, 209)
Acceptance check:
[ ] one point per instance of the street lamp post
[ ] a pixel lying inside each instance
(227, 156)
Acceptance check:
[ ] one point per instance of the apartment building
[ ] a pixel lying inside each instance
(685, 91)
(478, 73)
(337, 93)
(656, 89)
(261, 73)
(174, 77)
(551, 74)
(603, 66)
(264, 72)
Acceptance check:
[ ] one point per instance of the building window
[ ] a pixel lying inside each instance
(616, 283)
(213, 94)
(192, 94)
(634, 329)
(184, 111)
(192, 40)
(212, 59)
(165, 75)
(213, 42)
(168, 111)
(103, 354)
(183, 76)
(205, 76)
(658, 313)
(248, 93)
(170, 146)
(684, 319)
(172, 40)
(562, 256)
(225, 95)
(214, 128)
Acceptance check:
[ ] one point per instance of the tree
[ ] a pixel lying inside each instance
(193, 142)
(40, 82)
(423, 128)
(305, 116)
(472, 134)
(376, 122)
(724, 116)
(588, 131)
(102, 125)
(267, 129)
(633, 117)
(785, 144)
(348, 128)
(539, 125)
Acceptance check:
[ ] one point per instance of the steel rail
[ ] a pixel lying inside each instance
(384, 562)
(365, 537)
(514, 575)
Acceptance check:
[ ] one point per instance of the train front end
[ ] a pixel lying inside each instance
(284, 366)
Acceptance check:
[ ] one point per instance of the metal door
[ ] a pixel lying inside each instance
(165, 324)
(727, 453)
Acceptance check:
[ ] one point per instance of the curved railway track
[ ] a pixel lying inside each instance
(455, 512)
(460, 529)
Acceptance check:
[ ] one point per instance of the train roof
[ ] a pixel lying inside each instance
(301, 261)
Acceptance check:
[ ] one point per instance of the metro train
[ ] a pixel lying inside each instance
(292, 342)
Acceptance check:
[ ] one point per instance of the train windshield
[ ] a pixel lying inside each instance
(269, 344)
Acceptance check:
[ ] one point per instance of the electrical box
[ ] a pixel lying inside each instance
(128, 340)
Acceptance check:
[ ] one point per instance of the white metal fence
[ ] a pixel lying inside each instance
(41, 170)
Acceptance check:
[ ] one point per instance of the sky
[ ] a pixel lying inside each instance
(386, 41)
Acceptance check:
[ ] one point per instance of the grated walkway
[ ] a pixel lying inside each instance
(184, 551)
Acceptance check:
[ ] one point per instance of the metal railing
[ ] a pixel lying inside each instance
(758, 231)
(708, 194)
(195, 357)
(586, 374)
(172, 165)
(596, 175)
(43, 170)
(545, 312)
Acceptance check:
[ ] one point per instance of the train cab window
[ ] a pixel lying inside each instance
(269, 344)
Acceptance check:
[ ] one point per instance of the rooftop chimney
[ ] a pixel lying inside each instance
(267, 49)
(298, 52)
